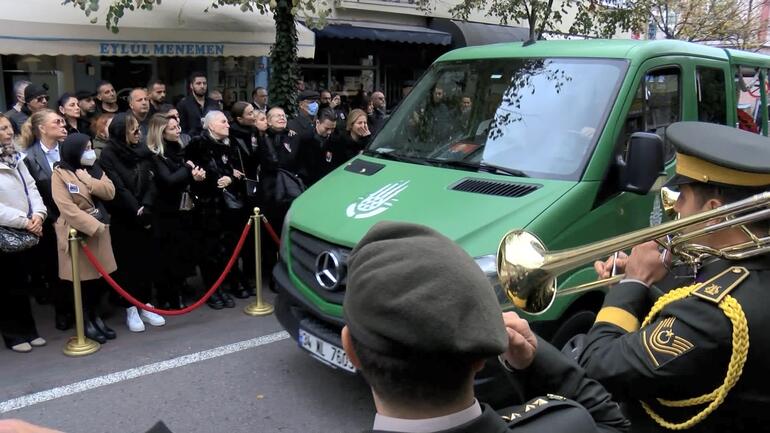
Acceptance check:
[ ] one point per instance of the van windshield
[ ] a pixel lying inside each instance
(526, 117)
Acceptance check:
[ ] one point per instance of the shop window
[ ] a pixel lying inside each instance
(712, 104)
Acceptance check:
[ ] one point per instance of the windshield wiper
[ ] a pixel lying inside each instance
(394, 157)
(478, 166)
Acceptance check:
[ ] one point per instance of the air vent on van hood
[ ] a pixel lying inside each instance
(491, 187)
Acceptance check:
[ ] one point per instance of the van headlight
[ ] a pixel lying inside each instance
(284, 250)
(488, 265)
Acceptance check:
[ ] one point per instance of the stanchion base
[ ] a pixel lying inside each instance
(258, 310)
(73, 348)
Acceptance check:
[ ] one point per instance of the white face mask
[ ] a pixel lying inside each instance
(89, 158)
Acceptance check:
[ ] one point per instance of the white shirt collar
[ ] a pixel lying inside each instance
(427, 425)
(47, 150)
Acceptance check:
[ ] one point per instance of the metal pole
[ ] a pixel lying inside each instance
(78, 345)
(259, 307)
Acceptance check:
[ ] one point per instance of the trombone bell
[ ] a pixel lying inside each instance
(520, 259)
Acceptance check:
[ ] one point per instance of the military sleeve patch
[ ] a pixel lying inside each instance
(662, 343)
(715, 289)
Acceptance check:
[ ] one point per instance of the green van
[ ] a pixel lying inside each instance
(562, 138)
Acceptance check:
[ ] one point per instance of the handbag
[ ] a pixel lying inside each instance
(288, 185)
(231, 200)
(14, 240)
(252, 185)
(186, 203)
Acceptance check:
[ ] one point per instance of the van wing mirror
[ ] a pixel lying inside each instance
(642, 164)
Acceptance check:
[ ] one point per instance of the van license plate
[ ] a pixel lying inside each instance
(324, 351)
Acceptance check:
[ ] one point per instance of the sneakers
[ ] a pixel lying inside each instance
(38, 342)
(152, 318)
(133, 321)
(22, 348)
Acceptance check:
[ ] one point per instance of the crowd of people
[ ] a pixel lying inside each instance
(157, 191)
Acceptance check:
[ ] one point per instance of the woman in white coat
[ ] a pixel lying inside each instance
(21, 208)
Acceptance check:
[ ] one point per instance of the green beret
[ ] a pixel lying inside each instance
(413, 291)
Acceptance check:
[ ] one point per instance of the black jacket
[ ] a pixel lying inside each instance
(568, 402)
(343, 147)
(130, 167)
(301, 124)
(244, 145)
(315, 157)
(684, 352)
(172, 177)
(191, 114)
(215, 157)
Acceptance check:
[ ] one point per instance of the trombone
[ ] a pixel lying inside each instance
(528, 271)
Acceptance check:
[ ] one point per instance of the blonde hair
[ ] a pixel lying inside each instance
(158, 123)
(353, 116)
(30, 130)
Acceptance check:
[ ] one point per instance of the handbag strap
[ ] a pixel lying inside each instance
(240, 156)
(26, 192)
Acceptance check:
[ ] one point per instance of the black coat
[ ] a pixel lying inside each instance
(301, 124)
(172, 178)
(191, 114)
(37, 163)
(130, 167)
(569, 402)
(684, 351)
(244, 144)
(215, 157)
(343, 147)
(315, 157)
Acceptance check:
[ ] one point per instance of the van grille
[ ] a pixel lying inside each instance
(305, 250)
(490, 187)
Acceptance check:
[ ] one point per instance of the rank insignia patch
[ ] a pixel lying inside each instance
(715, 289)
(663, 344)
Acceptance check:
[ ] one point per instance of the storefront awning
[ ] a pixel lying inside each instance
(177, 28)
(468, 34)
(383, 32)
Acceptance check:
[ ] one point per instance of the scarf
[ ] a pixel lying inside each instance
(9, 155)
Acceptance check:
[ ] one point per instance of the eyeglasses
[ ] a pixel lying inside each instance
(279, 116)
(59, 121)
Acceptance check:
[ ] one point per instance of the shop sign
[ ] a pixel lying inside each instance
(160, 49)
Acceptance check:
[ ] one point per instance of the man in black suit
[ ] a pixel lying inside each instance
(422, 319)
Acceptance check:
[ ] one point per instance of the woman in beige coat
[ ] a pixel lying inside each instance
(79, 186)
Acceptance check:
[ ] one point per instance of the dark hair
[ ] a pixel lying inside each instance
(327, 114)
(102, 83)
(165, 108)
(416, 379)
(727, 195)
(324, 90)
(153, 83)
(254, 92)
(238, 108)
(196, 74)
(64, 98)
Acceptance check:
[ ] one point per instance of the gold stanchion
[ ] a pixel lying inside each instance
(78, 345)
(259, 307)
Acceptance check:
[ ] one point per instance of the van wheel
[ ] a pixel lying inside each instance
(578, 323)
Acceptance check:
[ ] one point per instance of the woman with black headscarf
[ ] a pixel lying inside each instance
(79, 186)
(129, 165)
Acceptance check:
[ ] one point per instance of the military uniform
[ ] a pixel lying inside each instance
(692, 354)
(415, 295)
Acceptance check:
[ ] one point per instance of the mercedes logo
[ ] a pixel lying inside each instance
(328, 270)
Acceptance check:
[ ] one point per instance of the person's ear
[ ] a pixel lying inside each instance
(478, 365)
(347, 344)
(712, 204)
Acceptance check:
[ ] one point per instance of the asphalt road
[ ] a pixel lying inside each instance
(205, 372)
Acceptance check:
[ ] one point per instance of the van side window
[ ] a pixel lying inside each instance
(656, 104)
(711, 95)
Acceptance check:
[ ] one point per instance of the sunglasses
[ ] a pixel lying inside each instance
(42, 98)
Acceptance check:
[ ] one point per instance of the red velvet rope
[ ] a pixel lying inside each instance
(98, 266)
(271, 231)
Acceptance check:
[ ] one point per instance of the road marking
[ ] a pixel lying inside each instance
(133, 373)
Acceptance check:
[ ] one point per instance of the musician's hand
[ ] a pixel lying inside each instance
(522, 342)
(604, 268)
(646, 264)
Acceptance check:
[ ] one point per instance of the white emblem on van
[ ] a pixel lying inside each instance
(376, 202)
